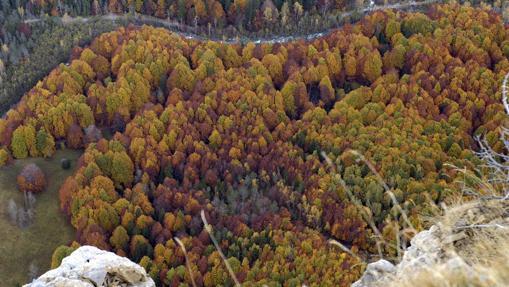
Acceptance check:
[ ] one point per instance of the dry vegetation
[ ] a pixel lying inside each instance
(476, 240)
(474, 231)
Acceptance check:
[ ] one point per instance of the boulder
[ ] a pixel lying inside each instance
(65, 163)
(426, 249)
(89, 266)
(375, 272)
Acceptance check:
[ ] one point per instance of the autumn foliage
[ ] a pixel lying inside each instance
(237, 131)
(31, 179)
(253, 15)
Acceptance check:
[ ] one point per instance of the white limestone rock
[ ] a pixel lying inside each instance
(89, 266)
(375, 272)
(426, 249)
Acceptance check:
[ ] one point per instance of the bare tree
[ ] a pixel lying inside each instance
(12, 211)
(498, 162)
(23, 218)
(33, 271)
(325, 7)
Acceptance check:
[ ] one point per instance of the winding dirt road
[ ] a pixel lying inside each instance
(178, 28)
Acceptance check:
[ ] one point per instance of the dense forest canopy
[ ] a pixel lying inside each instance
(249, 14)
(238, 131)
(28, 29)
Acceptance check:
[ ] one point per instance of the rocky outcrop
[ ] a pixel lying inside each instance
(450, 246)
(89, 266)
(375, 272)
(426, 249)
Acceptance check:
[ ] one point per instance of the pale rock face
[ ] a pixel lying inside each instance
(374, 272)
(89, 266)
(444, 248)
(426, 249)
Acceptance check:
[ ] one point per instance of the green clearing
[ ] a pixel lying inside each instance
(35, 244)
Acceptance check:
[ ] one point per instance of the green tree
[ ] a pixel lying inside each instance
(393, 27)
(119, 239)
(288, 98)
(373, 66)
(417, 24)
(215, 139)
(181, 77)
(4, 157)
(18, 144)
(326, 90)
(60, 253)
(140, 247)
(45, 143)
(122, 169)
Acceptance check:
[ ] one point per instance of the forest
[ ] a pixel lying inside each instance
(171, 127)
(28, 51)
(248, 14)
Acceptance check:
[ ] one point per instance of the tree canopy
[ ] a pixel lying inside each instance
(238, 132)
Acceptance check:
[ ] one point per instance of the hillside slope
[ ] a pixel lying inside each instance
(237, 131)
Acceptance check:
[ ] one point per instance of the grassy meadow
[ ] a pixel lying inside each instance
(33, 245)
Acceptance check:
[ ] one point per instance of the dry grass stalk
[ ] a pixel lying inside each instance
(504, 93)
(208, 228)
(380, 240)
(188, 264)
(386, 187)
(365, 214)
(474, 234)
(344, 248)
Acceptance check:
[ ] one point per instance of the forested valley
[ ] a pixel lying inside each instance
(356, 136)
